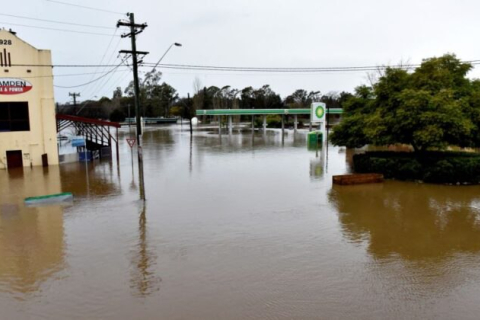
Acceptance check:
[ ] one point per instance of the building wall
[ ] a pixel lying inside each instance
(42, 136)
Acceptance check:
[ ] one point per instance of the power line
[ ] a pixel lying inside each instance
(101, 84)
(105, 53)
(111, 59)
(85, 7)
(62, 65)
(55, 29)
(296, 69)
(53, 21)
(87, 83)
(254, 74)
(71, 74)
(118, 81)
(241, 69)
(274, 70)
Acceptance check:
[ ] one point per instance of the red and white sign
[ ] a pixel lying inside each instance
(14, 86)
(131, 142)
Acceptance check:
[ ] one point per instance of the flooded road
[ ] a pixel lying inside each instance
(235, 227)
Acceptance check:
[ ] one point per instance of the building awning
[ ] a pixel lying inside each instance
(64, 121)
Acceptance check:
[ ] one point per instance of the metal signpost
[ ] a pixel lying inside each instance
(318, 115)
(318, 111)
(81, 141)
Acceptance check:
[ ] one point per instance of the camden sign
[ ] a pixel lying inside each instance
(14, 86)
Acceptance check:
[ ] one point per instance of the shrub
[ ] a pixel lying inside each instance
(433, 167)
(273, 121)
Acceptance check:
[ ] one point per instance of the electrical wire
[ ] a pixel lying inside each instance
(100, 84)
(87, 83)
(242, 69)
(105, 54)
(291, 70)
(55, 29)
(287, 70)
(71, 74)
(85, 7)
(119, 80)
(53, 21)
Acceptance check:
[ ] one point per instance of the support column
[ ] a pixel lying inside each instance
(295, 123)
(110, 141)
(264, 122)
(253, 122)
(322, 130)
(283, 124)
(230, 124)
(116, 141)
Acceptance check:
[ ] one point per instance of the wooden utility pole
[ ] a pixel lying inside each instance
(74, 95)
(134, 30)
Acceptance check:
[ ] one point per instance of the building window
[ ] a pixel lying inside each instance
(14, 116)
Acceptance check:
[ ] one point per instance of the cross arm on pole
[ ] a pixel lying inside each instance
(129, 24)
(132, 52)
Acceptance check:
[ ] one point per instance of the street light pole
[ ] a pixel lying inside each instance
(176, 44)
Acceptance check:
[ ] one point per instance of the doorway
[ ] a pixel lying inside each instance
(14, 159)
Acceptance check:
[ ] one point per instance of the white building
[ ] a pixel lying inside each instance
(27, 108)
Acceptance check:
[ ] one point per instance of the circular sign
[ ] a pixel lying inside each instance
(319, 112)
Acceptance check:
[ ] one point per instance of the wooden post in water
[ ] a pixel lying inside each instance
(116, 142)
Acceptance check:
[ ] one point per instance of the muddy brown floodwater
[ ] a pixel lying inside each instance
(235, 227)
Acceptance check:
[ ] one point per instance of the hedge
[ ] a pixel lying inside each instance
(432, 167)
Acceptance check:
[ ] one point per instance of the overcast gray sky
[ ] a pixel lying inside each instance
(248, 33)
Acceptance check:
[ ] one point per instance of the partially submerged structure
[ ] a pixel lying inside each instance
(28, 133)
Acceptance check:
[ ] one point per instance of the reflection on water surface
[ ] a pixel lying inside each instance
(241, 226)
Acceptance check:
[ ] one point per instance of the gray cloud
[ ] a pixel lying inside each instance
(262, 33)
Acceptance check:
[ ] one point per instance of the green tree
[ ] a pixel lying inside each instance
(162, 97)
(247, 99)
(188, 110)
(117, 93)
(155, 98)
(430, 108)
(266, 98)
(335, 99)
(302, 98)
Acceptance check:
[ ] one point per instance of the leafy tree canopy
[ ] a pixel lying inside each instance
(302, 98)
(432, 107)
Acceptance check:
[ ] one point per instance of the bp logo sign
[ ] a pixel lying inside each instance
(318, 112)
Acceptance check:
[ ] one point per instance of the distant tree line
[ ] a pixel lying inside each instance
(159, 99)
